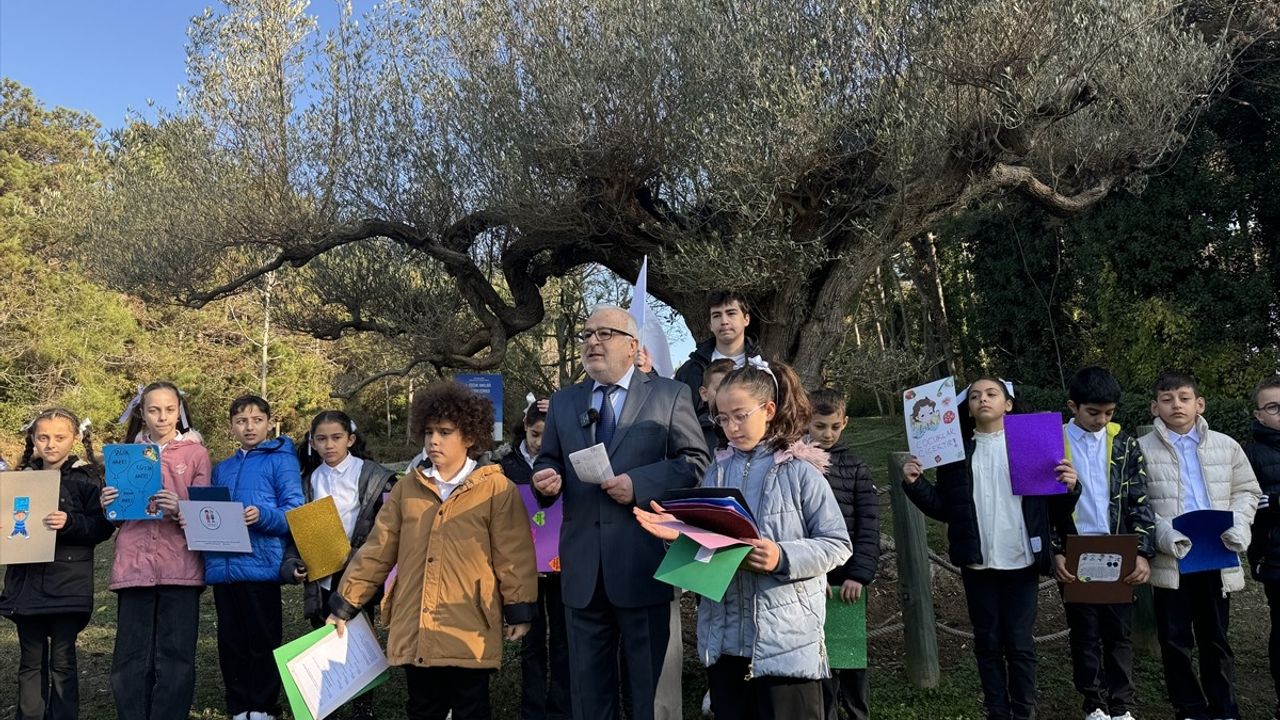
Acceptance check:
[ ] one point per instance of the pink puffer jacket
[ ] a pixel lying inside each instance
(154, 552)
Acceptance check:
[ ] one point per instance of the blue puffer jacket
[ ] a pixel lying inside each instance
(777, 619)
(268, 478)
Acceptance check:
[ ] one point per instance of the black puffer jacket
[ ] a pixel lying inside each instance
(951, 501)
(515, 468)
(66, 584)
(855, 492)
(1263, 452)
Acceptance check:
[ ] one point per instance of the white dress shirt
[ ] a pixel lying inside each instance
(447, 487)
(1002, 531)
(1089, 455)
(342, 483)
(1195, 494)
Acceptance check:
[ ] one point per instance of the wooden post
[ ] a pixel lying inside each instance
(1144, 609)
(915, 582)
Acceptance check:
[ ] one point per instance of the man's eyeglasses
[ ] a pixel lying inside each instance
(735, 419)
(1270, 408)
(604, 334)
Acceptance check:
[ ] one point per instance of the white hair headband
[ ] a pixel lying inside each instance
(760, 363)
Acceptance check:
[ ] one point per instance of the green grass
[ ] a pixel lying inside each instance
(892, 697)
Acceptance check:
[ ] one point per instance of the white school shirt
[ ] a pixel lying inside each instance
(1195, 494)
(738, 360)
(1089, 454)
(524, 453)
(447, 487)
(1002, 531)
(342, 483)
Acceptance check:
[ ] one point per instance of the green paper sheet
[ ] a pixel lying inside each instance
(709, 579)
(293, 649)
(846, 632)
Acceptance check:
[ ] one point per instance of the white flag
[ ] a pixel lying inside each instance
(652, 337)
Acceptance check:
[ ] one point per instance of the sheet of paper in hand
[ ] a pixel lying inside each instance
(545, 524)
(322, 541)
(321, 671)
(933, 426)
(26, 497)
(1035, 444)
(1100, 564)
(1208, 552)
(215, 526)
(592, 464)
(134, 470)
(846, 631)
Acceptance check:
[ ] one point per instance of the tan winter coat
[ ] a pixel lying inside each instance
(462, 565)
(1231, 486)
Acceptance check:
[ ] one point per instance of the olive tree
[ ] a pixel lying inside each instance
(422, 171)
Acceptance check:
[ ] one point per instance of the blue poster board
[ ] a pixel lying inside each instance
(134, 470)
(490, 386)
(1204, 528)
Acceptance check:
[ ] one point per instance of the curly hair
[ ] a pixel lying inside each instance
(455, 403)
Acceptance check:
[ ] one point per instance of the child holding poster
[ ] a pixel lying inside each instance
(544, 652)
(763, 642)
(459, 534)
(51, 602)
(1113, 501)
(855, 493)
(335, 464)
(1001, 542)
(157, 580)
(263, 476)
(1190, 468)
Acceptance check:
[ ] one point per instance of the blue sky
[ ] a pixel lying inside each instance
(107, 56)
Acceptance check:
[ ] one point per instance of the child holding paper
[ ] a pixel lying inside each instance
(50, 603)
(459, 534)
(263, 475)
(544, 652)
(335, 464)
(1001, 542)
(855, 493)
(1190, 467)
(1263, 452)
(157, 580)
(763, 642)
(1113, 501)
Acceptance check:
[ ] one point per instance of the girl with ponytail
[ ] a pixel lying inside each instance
(51, 602)
(763, 643)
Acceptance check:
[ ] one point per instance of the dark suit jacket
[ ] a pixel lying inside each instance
(659, 444)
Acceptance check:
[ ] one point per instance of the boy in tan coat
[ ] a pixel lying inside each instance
(466, 565)
(1190, 467)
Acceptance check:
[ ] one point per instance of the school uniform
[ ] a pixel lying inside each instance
(1113, 501)
(1002, 544)
(50, 603)
(544, 651)
(855, 493)
(1197, 471)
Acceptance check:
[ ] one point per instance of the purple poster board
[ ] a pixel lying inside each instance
(544, 523)
(1034, 442)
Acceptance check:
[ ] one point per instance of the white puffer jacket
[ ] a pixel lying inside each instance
(1231, 486)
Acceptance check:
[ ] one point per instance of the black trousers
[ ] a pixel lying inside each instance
(48, 680)
(249, 629)
(848, 690)
(1102, 656)
(1195, 616)
(596, 634)
(544, 658)
(153, 668)
(1002, 608)
(434, 692)
(1273, 645)
(734, 697)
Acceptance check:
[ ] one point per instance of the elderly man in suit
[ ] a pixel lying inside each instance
(655, 444)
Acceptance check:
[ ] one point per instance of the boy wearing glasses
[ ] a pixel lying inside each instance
(1263, 452)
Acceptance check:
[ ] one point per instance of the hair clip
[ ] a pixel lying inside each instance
(133, 405)
(84, 426)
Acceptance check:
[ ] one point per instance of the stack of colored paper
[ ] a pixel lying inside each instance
(714, 524)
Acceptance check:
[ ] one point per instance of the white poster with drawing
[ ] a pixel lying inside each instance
(933, 423)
